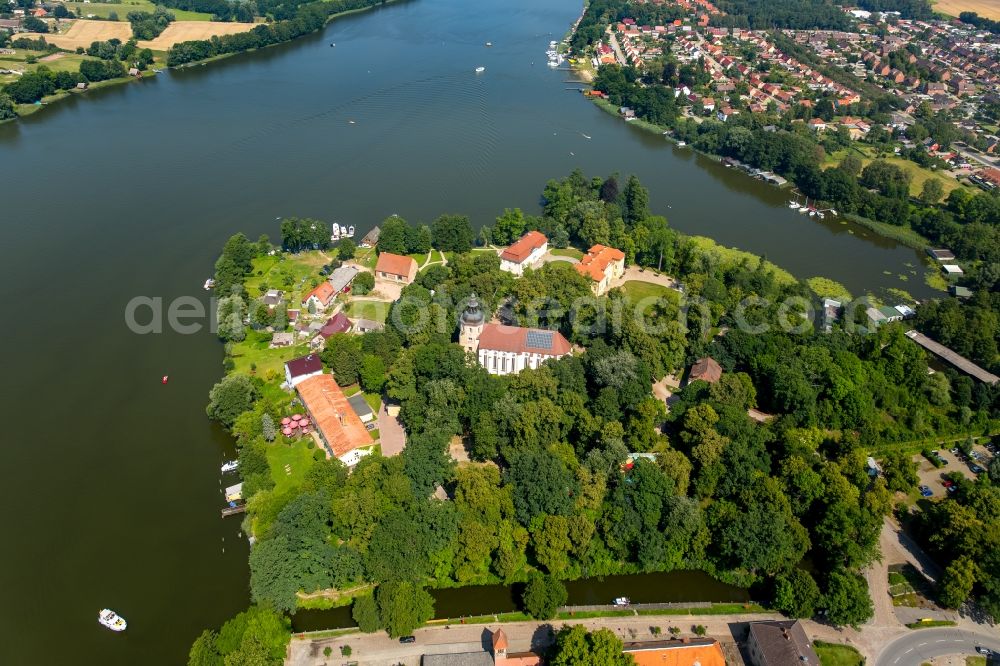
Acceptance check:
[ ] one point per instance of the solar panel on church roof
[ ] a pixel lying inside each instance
(540, 339)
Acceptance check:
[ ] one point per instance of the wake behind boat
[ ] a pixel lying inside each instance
(111, 620)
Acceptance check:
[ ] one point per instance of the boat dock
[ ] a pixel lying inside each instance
(233, 510)
(957, 360)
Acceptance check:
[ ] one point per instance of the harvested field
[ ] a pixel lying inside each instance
(184, 31)
(82, 33)
(988, 8)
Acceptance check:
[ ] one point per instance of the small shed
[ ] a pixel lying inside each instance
(941, 254)
(361, 407)
(960, 292)
(282, 339)
(952, 270)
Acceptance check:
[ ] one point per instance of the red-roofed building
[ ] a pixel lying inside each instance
(338, 323)
(396, 268)
(526, 252)
(705, 369)
(340, 429)
(507, 350)
(602, 265)
(320, 298)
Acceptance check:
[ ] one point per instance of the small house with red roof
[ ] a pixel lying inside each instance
(320, 298)
(300, 369)
(395, 268)
(525, 252)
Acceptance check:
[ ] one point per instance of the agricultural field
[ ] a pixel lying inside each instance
(81, 32)
(104, 10)
(185, 31)
(988, 8)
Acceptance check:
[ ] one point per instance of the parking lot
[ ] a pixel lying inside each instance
(932, 476)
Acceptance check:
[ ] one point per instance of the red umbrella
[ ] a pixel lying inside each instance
(285, 421)
(296, 417)
(286, 432)
(304, 422)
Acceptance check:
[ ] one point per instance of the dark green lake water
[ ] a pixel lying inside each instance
(109, 480)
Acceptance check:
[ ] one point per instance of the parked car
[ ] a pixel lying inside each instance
(976, 469)
(955, 451)
(407, 639)
(925, 491)
(983, 650)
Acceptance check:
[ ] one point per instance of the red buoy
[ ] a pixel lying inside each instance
(165, 378)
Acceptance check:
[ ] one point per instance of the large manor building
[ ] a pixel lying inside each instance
(506, 350)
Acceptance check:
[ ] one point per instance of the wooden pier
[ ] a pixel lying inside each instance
(957, 360)
(233, 510)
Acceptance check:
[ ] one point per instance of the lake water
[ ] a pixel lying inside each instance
(108, 479)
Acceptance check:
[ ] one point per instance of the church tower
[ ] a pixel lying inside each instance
(471, 325)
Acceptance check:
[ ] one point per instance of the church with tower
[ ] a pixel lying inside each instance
(506, 350)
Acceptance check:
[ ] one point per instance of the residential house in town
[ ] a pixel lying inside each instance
(341, 278)
(683, 652)
(602, 265)
(525, 252)
(395, 268)
(780, 643)
(340, 429)
(362, 326)
(320, 298)
(300, 369)
(338, 323)
(272, 298)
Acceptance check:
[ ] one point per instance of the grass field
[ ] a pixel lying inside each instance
(254, 351)
(296, 454)
(988, 8)
(295, 274)
(104, 10)
(918, 174)
(571, 252)
(374, 310)
(831, 654)
(67, 62)
(636, 291)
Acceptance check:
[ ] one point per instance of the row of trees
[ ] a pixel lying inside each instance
(448, 233)
(146, 25)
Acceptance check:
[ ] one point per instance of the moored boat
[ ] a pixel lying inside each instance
(111, 620)
(622, 601)
(230, 466)
(480, 70)
(209, 284)
(794, 204)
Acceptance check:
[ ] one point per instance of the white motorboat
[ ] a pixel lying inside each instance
(345, 232)
(803, 209)
(489, 43)
(230, 466)
(794, 204)
(209, 284)
(681, 143)
(350, 231)
(111, 620)
(622, 601)
(480, 70)
(335, 236)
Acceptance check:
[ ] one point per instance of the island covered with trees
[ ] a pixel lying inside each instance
(784, 505)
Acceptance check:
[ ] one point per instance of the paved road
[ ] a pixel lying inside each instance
(921, 645)
(380, 650)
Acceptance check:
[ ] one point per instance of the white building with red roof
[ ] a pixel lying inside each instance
(526, 252)
(320, 298)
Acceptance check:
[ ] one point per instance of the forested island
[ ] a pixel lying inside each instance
(577, 468)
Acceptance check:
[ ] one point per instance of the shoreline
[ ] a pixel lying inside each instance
(905, 236)
(32, 109)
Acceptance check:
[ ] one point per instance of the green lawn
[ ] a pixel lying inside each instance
(295, 273)
(636, 291)
(374, 401)
(374, 310)
(294, 453)
(104, 10)
(832, 654)
(566, 252)
(254, 351)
